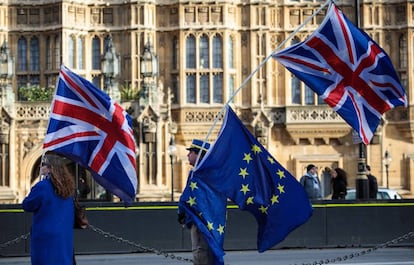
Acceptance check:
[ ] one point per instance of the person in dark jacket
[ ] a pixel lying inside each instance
(51, 202)
(339, 183)
(372, 183)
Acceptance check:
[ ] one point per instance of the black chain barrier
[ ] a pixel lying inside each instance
(362, 252)
(173, 256)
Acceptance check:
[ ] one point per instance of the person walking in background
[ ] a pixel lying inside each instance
(202, 254)
(372, 183)
(311, 183)
(51, 202)
(339, 183)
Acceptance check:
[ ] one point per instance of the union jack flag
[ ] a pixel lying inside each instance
(86, 126)
(344, 66)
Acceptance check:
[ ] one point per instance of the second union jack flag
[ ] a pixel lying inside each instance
(90, 129)
(344, 66)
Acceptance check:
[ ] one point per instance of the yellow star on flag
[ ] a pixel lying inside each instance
(245, 189)
(249, 200)
(210, 226)
(275, 199)
(247, 157)
(193, 185)
(256, 149)
(281, 188)
(243, 172)
(263, 209)
(271, 160)
(281, 173)
(191, 201)
(220, 229)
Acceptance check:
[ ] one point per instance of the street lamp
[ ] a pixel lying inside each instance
(6, 62)
(110, 66)
(172, 152)
(149, 61)
(387, 161)
(149, 70)
(6, 73)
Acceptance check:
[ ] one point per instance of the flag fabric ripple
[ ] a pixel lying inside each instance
(350, 72)
(240, 168)
(89, 128)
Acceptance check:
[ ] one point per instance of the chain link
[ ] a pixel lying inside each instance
(362, 252)
(179, 258)
(138, 246)
(15, 241)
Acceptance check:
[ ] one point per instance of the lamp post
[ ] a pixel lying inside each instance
(110, 66)
(172, 152)
(6, 73)
(149, 70)
(387, 161)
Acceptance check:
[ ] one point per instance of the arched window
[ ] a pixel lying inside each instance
(174, 55)
(295, 85)
(217, 52)
(230, 53)
(96, 53)
(190, 49)
(403, 51)
(48, 54)
(79, 53)
(56, 47)
(21, 54)
(34, 54)
(204, 47)
(205, 82)
(71, 52)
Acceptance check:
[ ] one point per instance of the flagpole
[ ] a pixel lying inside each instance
(257, 69)
(361, 181)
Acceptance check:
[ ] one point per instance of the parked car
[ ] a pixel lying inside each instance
(383, 194)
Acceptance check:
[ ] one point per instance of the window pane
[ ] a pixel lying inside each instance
(71, 52)
(217, 52)
(48, 54)
(204, 90)
(218, 88)
(190, 52)
(295, 90)
(309, 96)
(230, 52)
(190, 89)
(174, 60)
(79, 54)
(96, 53)
(22, 50)
(204, 63)
(34, 54)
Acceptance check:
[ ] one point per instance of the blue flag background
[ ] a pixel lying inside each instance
(240, 168)
(206, 209)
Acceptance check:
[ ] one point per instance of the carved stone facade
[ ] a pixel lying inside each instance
(207, 51)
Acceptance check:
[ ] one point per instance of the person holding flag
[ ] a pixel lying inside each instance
(191, 207)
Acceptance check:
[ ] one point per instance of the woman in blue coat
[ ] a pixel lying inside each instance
(51, 201)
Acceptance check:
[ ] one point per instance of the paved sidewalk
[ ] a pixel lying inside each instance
(386, 256)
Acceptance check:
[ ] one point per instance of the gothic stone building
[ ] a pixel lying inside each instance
(205, 51)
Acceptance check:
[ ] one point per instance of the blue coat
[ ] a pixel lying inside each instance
(52, 225)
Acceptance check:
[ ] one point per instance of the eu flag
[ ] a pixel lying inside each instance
(206, 209)
(239, 167)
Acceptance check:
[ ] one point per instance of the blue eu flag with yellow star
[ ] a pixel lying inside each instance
(240, 168)
(206, 208)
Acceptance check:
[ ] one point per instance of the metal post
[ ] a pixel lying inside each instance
(361, 185)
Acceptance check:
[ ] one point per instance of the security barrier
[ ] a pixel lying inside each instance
(155, 226)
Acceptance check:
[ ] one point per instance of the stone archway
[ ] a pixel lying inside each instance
(28, 167)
